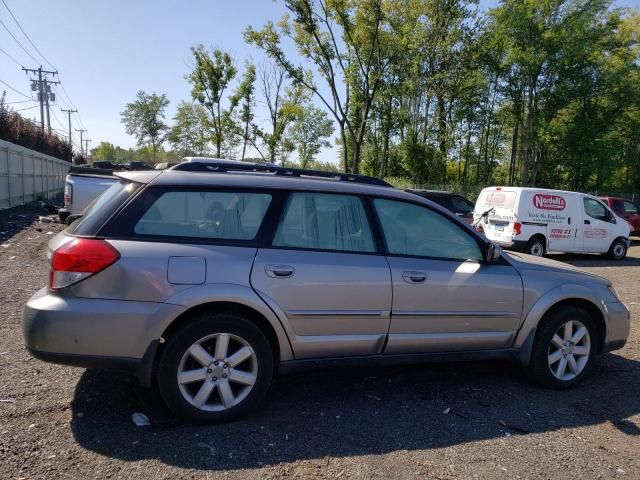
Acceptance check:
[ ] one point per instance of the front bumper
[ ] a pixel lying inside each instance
(93, 332)
(618, 326)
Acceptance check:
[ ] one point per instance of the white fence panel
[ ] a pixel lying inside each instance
(26, 175)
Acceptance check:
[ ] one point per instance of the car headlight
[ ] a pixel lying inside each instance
(614, 292)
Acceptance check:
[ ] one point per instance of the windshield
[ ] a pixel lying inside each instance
(98, 211)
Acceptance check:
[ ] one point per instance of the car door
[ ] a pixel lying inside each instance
(597, 221)
(325, 278)
(445, 296)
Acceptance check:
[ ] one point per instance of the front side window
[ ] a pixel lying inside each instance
(410, 229)
(324, 221)
(202, 214)
(630, 208)
(595, 209)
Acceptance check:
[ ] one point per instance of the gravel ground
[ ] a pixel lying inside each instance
(441, 421)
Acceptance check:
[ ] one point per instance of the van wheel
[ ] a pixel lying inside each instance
(618, 250)
(215, 369)
(564, 349)
(536, 247)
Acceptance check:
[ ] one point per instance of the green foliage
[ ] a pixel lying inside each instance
(144, 118)
(310, 132)
(190, 131)
(15, 129)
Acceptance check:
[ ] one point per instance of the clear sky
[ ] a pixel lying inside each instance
(107, 50)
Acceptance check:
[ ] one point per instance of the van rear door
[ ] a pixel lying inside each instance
(501, 204)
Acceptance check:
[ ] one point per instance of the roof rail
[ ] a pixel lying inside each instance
(214, 167)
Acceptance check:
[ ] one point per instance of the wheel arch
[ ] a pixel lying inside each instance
(545, 307)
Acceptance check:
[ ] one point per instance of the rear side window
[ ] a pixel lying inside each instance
(461, 205)
(99, 211)
(205, 214)
(323, 221)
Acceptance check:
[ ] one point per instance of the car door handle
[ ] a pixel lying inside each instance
(414, 277)
(279, 271)
(587, 222)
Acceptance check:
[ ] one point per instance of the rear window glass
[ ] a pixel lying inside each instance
(99, 211)
(496, 199)
(202, 214)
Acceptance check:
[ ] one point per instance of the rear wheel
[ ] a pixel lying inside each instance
(536, 246)
(564, 349)
(618, 250)
(215, 369)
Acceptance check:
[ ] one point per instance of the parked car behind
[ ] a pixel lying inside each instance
(207, 283)
(81, 187)
(537, 221)
(627, 209)
(454, 202)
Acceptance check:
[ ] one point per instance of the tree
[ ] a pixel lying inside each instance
(144, 117)
(309, 132)
(283, 107)
(245, 96)
(190, 131)
(210, 78)
(346, 41)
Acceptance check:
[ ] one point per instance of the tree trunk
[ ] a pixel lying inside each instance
(514, 153)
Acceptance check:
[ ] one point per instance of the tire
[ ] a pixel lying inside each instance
(222, 384)
(536, 246)
(618, 250)
(550, 352)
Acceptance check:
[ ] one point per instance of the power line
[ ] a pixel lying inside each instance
(15, 61)
(25, 34)
(17, 91)
(26, 108)
(19, 44)
(20, 101)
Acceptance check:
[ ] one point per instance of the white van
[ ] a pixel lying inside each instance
(537, 221)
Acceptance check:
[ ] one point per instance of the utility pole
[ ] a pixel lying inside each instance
(39, 86)
(87, 141)
(49, 95)
(81, 130)
(69, 112)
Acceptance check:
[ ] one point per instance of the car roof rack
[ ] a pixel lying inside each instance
(214, 167)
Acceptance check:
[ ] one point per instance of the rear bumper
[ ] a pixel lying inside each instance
(93, 332)
(63, 214)
(519, 245)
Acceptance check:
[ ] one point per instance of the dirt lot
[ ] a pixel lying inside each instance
(481, 420)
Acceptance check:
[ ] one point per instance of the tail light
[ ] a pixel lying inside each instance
(68, 193)
(79, 259)
(517, 228)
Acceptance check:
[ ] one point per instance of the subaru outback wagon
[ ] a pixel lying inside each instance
(208, 282)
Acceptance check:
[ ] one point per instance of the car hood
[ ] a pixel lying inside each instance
(524, 262)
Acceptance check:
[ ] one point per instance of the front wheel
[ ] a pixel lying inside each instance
(618, 250)
(564, 349)
(215, 369)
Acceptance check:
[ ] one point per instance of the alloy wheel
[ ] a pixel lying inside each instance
(217, 372)
(569, 350)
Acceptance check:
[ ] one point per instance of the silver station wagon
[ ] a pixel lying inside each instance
(209, 279)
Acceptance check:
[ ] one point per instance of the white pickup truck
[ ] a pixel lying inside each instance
(81, 187)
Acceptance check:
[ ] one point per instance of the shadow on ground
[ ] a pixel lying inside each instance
(15, 220)
(355, 412)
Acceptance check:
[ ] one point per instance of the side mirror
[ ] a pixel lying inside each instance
(494, 252)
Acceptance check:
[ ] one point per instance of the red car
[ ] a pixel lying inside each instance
(626, 209)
